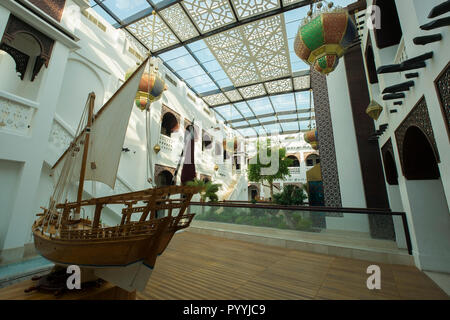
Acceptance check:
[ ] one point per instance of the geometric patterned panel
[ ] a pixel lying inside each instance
(142, 30)
(209, 14)
(278, 86)
(179, 22)
(252, 91)
(248, 8)
(287, 2)
(302, 83)
(420, 118)
(330, 176)
(443, 88)
(233, 95)
(254, 52)
(216, 99)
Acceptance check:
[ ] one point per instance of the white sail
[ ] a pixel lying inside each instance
(107, 135)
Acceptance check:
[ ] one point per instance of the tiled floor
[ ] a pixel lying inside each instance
(199, 266)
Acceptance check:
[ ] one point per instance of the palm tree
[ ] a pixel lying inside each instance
(208, 189)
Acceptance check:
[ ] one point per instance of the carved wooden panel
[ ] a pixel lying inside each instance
(204, 177)
(160, 168)
(20, 58)
(420, 118)
(442, 84)
(54, 8)
(16, 26)
(165, 109)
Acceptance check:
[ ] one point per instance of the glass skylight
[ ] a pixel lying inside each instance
(242, 66)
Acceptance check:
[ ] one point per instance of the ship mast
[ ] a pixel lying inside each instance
(85, 153)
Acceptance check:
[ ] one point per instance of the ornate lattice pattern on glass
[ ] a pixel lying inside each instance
(287, 2)
(255, 52)
(302, 83)
(278, 86)
(209, 14)
(252, 91)
(248, 8)
(233, 95)
(216, 99)
(142, 29)
(179, 22)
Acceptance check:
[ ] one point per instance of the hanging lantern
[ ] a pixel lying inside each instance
(323, 38)
(311, 138)
(151, 88)
(314, 145)
(374, 110)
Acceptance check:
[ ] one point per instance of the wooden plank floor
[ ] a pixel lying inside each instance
(197, 267)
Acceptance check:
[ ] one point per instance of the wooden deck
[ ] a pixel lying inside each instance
(197, 267)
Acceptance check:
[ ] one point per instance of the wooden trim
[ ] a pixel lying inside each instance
(438, 93)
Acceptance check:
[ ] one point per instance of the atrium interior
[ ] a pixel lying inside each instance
(225, 149)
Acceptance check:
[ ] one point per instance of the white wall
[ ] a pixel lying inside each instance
(431, 223)
(421, 200)
(347, 155)
(10, 172)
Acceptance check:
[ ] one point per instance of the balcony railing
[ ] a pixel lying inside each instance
(351, 224)
(166, 143)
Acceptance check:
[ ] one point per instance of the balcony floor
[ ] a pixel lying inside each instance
(198, 266)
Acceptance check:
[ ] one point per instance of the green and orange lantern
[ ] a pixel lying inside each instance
(311, 138)
(323, 38)
(151, 88)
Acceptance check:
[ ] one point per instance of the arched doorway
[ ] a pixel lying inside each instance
(295, 162)
(427, 204)
(164, 179)
(253, 193)
(419, 161)
(169, 124)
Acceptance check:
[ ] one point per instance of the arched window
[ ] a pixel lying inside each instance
(370, 61)
(312, 160)
(206, 142)
(295, 162)
(218, 148)
(419, 161)
(390, 168)
(390, 32)
(169, 124)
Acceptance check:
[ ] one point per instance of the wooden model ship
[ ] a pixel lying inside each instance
(124, 254)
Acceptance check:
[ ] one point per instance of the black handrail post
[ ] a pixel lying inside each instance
(407, 235)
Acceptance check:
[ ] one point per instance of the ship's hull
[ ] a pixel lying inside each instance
(118, 252)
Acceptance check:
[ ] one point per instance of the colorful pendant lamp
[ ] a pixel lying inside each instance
(324, 36)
